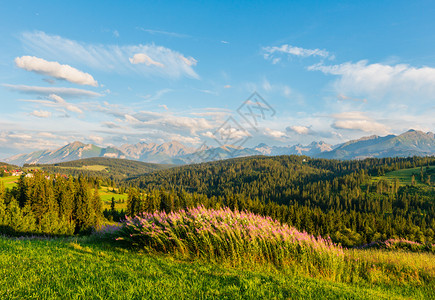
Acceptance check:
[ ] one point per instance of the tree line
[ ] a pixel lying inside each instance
(323, 197)
(44, 204)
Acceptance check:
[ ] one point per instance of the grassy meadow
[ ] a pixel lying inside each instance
(87, 268)
(404, 176)
(9, 181)
(106, 194)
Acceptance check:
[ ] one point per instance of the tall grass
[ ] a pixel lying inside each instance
(241, 238)
(234, 237)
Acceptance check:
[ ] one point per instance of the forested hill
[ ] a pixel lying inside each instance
(354, 202)
(281, 179)
(102, 167)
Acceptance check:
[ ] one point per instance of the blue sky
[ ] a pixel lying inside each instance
(112, 72)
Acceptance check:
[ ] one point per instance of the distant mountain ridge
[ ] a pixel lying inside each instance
(73, 151)
(410, 143)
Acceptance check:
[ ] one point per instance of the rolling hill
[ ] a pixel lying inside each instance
(103, 167)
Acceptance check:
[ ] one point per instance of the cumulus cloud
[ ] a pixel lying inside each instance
(274, 133)
(45, 91)
(378, 79)
(142, 58)
(228, 135)
(41, 113)
(299, 129)
(355, 120)
(112, 58)
(361, 125)
(274, 53)
(55, 70)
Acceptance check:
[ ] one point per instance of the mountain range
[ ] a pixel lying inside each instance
(410, 143)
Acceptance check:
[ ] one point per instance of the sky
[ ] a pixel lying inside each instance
(213, 72)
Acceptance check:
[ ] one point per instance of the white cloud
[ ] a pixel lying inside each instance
(377, 80)
(63, 91)
(229, 134)
(66, 105)
(274, 133)
(131, 119)
(356, 120)
(361, 125)
(173, 34)
(271, 53)
(55, 69)
(299, 129)
(47, 135)
(111, 58)
(142, 58)
(22, 136)
(41, 113)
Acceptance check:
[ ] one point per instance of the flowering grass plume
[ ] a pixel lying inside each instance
(232, 236)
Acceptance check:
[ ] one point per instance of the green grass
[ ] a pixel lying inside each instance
(404, 176)
(85, 268)
(9, 181)
(106, 195)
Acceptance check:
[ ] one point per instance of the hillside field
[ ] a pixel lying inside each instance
(404, 176)
(9, 181)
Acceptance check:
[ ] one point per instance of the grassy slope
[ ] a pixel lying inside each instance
(9, 181)
(81, 268)
(405, 176)
(106, 195)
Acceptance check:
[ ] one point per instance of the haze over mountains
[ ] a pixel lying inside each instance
(409, 143)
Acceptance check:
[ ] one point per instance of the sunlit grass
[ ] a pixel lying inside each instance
(244, 239)
(404, 176)
(106, 195)
(9, 181)
(87, 268)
